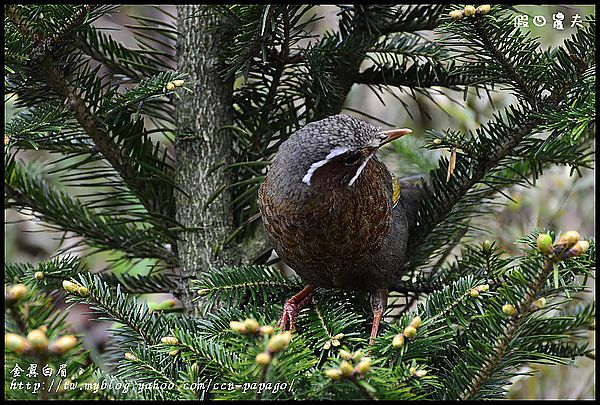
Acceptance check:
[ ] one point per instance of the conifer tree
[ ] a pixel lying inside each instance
(155, 153)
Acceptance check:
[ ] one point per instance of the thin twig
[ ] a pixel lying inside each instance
(263, 378)
(362, 389)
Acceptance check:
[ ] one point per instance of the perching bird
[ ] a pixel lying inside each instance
(334, 212)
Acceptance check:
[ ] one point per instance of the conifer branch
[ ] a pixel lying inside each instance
(392, 77)
(524, 308)
(18, 21)
(90, 124)
(281, 61)
(459, 188)
(42, 56)
(84, 222)
(511, 71)
(365, 392)
(45, 46)
(122, 309)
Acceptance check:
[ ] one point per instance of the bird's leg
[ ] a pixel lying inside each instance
(293, 305)
(378, 304)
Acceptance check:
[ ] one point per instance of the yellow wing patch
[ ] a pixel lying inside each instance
(396, 191)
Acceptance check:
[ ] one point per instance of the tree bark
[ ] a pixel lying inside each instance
(202, 144)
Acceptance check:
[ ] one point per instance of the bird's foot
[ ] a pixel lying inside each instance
(293, 306)
(288, 318)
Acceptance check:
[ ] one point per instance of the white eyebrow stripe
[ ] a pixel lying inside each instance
(333, 153)
(359, 170)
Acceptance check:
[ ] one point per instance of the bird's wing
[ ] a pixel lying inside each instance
(411, 190)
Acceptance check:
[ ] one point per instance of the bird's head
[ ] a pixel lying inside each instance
(337, 149)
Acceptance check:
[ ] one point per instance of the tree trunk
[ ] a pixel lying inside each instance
(201, 145)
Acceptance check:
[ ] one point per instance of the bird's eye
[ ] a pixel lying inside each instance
(352, 159)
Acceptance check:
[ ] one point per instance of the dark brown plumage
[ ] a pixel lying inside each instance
(328, 206)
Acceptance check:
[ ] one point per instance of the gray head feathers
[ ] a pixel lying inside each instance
(311, 146)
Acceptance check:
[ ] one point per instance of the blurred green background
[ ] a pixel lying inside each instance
(558, 201)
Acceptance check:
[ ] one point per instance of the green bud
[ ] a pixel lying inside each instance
(237, 326)
(569, 238)
(398, 341)
(38, 340)
(363, 366)
(583, 245)
(266, 330)
(130, 356)
(251, 325)
(166, 304)
(410, 331)
(544, 243)
(357, 355)
(279, 342)
(70, 287)
(483, 287)
(39, 275)
(486, 246)
(263, 358)
(170, 340)
(346, 368)
(16, 343)
(16, 292)
(470, 11)
(539, 303)
(334, 373)
(509, 309)
(63, 344)
(344, 354)
(578, 248)
(416, 322)
(455, 15)
(83, 291)
(483, 9)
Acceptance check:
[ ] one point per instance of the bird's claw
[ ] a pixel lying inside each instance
(290, 312)
(289, 315)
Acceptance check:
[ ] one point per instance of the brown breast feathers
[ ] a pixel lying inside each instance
(326, 236)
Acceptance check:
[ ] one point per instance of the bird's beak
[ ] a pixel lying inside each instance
(393, 134)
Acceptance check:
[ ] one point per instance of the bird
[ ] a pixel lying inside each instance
(335, 214)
